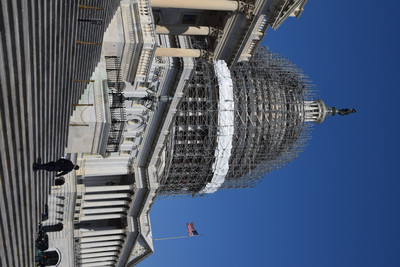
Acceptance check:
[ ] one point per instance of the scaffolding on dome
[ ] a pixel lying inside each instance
(269, 125)
(191, 147)
(269, 128)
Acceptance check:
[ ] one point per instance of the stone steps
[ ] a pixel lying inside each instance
(38, 61)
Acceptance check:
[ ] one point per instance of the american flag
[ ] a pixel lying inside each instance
(191, 230)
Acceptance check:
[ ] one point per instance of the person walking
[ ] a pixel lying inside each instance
(62, 165)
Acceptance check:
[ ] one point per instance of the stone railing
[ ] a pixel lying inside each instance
(287, 9)
(140, 45)
(255, 38)
(148, 31)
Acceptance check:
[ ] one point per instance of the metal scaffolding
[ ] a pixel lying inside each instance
(192, 145)
(269, 128)
(269, 125)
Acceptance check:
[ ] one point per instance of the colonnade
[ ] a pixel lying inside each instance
(98, 203)
(215, 5)
(100, 248)
(104, 202)
(315, 111)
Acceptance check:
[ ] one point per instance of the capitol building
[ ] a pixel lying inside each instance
(151, 98)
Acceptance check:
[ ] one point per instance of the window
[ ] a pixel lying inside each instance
(133, 122)
(129, 139)
(51, 258)
(125, 152)
(189, 19)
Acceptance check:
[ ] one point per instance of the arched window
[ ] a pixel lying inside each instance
(51, 258)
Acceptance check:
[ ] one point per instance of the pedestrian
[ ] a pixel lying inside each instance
(62, 165)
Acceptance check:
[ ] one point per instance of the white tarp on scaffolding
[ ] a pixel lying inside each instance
(225, 127)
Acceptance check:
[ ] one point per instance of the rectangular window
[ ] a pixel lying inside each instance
(129, 139)
(125, 152)
(189, 19)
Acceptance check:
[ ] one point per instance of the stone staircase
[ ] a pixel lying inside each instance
(39, 60)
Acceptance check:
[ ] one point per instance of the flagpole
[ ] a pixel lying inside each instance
(175, 237)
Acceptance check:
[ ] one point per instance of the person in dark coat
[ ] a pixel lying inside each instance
(62, 165)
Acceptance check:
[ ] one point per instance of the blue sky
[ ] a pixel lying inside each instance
(338, 203)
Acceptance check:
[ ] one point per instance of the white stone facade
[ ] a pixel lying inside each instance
(106, 203)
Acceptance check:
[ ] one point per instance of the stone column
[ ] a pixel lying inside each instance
(102, 232)
(183, 30)
(91, 189)
(104, 203)
(99, 244)
(222, 5)
(99, 259)
(101, 217)
(101, 238)
(101, 249)
(177, 52)
(103, 210)
(106, 196)
(99, 264)
(99, 254)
